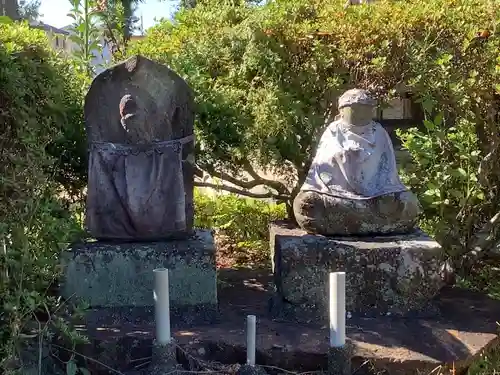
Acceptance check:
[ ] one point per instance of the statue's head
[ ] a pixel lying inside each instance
(356, 107)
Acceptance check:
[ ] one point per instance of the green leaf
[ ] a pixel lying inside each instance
(438, 120)
(81, 27)
(429, 125)
(456, 193)
(227, 225)
(430, 192)
(71, 368)
(6, 20)
(427, 105)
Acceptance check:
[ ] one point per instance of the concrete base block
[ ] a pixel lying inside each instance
(120, 275)
(397, 274)
(339, 360)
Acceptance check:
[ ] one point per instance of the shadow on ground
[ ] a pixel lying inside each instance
(467, 323)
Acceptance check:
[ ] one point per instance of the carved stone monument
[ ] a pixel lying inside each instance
(355, 215)
(139, 118)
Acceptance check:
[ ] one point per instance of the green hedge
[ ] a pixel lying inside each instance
(241, 225)
(40, 97)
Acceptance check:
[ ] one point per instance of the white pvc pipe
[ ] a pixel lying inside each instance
(251, 333)
(162, 306)
(337, 309)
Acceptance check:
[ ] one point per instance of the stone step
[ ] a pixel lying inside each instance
(466, 324)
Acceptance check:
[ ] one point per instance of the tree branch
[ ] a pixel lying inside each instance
(247, 185)
(198, 172)
(485, 237)
(481, 246)
(276, 185)
(235, 190)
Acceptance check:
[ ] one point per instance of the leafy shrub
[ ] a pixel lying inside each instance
(444, 174)
(34, 226)
(454, 167)
(266, 77)
(69, 147)
(241, 225)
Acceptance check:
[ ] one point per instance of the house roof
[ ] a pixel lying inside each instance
(47, 27)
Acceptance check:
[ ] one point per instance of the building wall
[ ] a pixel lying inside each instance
(60, 41)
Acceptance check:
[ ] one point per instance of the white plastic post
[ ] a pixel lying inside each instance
(162, 306)
(337, 309)
(251, 332)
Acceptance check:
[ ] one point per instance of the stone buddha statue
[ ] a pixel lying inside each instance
(353, 187)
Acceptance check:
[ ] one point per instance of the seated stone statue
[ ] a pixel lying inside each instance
(353, 187)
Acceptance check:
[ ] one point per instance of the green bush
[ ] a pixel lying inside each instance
(69, 147)
(266, 77)
(444, 174)
(455, 155)
(36, 87)
(241, 225)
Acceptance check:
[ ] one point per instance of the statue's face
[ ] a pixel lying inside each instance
(358, 114)
(132, 119)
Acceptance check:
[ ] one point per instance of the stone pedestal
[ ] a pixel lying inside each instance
(120, 275)
(384, 275)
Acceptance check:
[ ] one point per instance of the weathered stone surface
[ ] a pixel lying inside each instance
(328, 215)
(121, 275)
(386, 274)
(139, 118)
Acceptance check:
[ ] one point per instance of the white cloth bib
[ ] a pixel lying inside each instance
(355, 163)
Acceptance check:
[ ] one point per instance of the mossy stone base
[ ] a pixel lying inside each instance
(120, 275)
(392, 274)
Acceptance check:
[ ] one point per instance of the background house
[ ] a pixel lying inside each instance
(60, 40)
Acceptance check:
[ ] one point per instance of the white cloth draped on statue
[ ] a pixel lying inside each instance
(355, 162)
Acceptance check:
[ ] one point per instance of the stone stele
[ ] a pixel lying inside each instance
(353, 186)
(139, 118)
